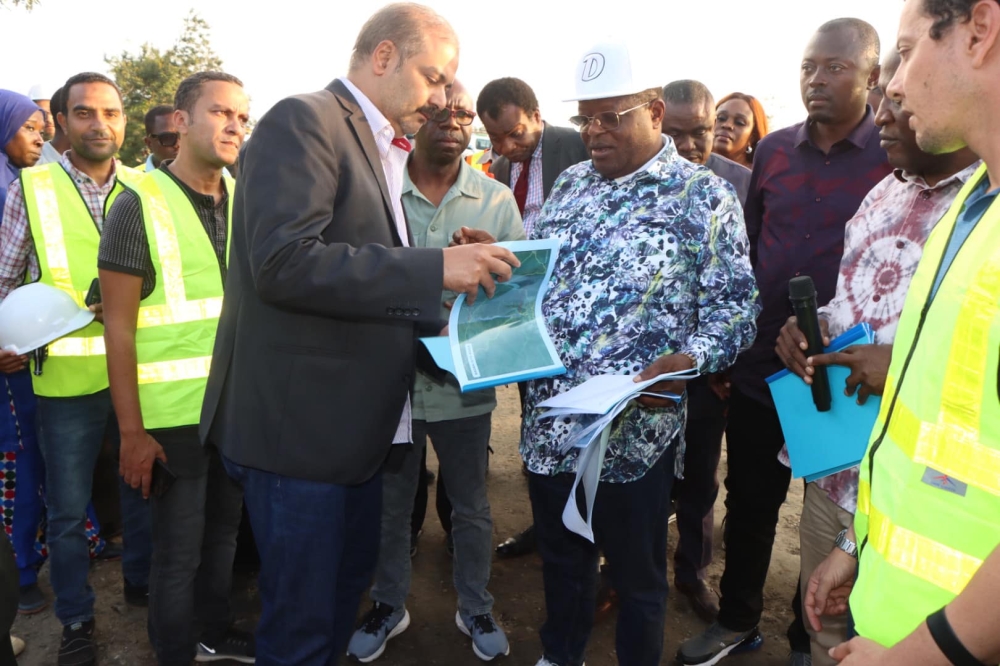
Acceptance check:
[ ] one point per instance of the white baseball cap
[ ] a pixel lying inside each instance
(39, 91)
(606, 70)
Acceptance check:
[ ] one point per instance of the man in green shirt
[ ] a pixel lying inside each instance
(441, 194)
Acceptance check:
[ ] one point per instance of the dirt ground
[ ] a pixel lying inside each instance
(432, 637)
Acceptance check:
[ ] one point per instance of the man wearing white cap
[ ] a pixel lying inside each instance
(42, 96)
(653, 276)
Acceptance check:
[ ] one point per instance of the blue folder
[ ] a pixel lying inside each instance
(824, 443)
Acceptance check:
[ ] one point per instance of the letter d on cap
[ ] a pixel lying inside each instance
(593, 65)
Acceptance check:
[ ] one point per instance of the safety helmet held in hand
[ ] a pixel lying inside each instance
(36, 314)
(606, 70)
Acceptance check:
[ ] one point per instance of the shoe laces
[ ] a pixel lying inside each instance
(376, 617)
(484, 623)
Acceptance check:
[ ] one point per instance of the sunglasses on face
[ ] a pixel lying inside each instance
(166, 139)
(462, 117)
(607, 120)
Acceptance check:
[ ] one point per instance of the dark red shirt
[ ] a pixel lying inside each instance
(799, 202)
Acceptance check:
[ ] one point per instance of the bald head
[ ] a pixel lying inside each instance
(407, 25)
(459, 97)
(860, 35)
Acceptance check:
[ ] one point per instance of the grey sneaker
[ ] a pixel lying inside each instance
(545, 662)
(715, 644)
(380, 624)
(799, 659)
(488, 639)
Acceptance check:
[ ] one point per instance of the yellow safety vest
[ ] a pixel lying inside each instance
(66, 241)
(178, 320)
(929, 495)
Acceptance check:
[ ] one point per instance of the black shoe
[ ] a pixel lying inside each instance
(112, 552)
(519, 545)
(77, 647)
(414, 538)
(704, 600)
(137, 595)
(237, 646)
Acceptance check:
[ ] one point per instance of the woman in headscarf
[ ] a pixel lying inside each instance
(22, 470)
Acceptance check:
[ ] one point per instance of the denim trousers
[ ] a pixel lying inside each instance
(461, 446)
(71, 432)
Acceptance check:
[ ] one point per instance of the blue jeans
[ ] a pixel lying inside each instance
(630, 526)
(71, 432)
(318, 546)
(461, 445)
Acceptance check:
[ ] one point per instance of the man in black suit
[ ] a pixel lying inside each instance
(314, 358)
(533, 153)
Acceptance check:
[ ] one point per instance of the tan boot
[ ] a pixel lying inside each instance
(17, 644)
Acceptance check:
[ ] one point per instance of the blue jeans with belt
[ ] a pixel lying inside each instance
(71, 432)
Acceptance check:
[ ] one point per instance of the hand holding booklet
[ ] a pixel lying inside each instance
(604, 397)
(503, 339)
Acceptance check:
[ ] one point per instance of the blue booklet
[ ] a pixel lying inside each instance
(503, 339)
(824, 443)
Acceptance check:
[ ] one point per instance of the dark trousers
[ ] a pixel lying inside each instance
(9, 591)
(318, 546)
(630, 526)
(696, 494)
(756, 486)
(194, 542)
(441, 502)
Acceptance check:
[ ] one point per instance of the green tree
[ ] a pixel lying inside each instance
(151, 77)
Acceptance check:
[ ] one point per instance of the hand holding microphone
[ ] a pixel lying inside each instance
(802, 294)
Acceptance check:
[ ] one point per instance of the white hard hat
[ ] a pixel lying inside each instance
(606, 70)
(38, 91)
(36, 314)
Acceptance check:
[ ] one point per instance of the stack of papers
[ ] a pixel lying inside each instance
(605, 396)
(503, 339)
(824, 443)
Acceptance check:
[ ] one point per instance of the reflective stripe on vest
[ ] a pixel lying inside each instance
(66, 241)
(177, 322)
(929, 494)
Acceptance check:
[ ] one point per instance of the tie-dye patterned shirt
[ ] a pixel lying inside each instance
(650, 264)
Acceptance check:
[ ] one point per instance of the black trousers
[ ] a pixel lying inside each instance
(756, 486)
(9, 591)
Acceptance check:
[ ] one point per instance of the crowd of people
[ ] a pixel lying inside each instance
(253, 347)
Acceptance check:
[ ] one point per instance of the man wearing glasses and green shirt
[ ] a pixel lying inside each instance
(441, 194)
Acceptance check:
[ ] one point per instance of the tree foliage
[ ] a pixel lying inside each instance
(151, 77)
(27, 4)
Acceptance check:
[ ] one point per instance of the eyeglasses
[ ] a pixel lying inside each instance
(606, 120)
(462, 117)
(166, 139)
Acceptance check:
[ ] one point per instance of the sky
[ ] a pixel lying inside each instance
(294, 46)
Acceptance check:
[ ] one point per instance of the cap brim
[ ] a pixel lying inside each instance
(604, 95)
(79, 320)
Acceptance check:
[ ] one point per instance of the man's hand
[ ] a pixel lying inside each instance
(11, 362)
(859, 652)
(138, 452)
(792, 345)
(98, 310)
(829, 587)
(664, 364)
(720, 384)
(466, 267)
(869, 366)
(467, 236)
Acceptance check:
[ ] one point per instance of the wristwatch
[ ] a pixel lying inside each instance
(846, 544)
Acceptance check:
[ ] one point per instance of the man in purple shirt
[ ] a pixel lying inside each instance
(808, 181)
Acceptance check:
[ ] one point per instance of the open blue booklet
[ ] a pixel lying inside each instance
(824, 443)
(503, 339)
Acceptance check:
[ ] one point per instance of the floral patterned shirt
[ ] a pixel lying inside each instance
(650, 264)
(883, 244)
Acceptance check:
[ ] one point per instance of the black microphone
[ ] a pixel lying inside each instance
(802, 294)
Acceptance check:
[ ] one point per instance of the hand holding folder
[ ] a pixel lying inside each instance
(823, 443)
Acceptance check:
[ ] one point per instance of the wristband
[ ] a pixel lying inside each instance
(947, 641)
